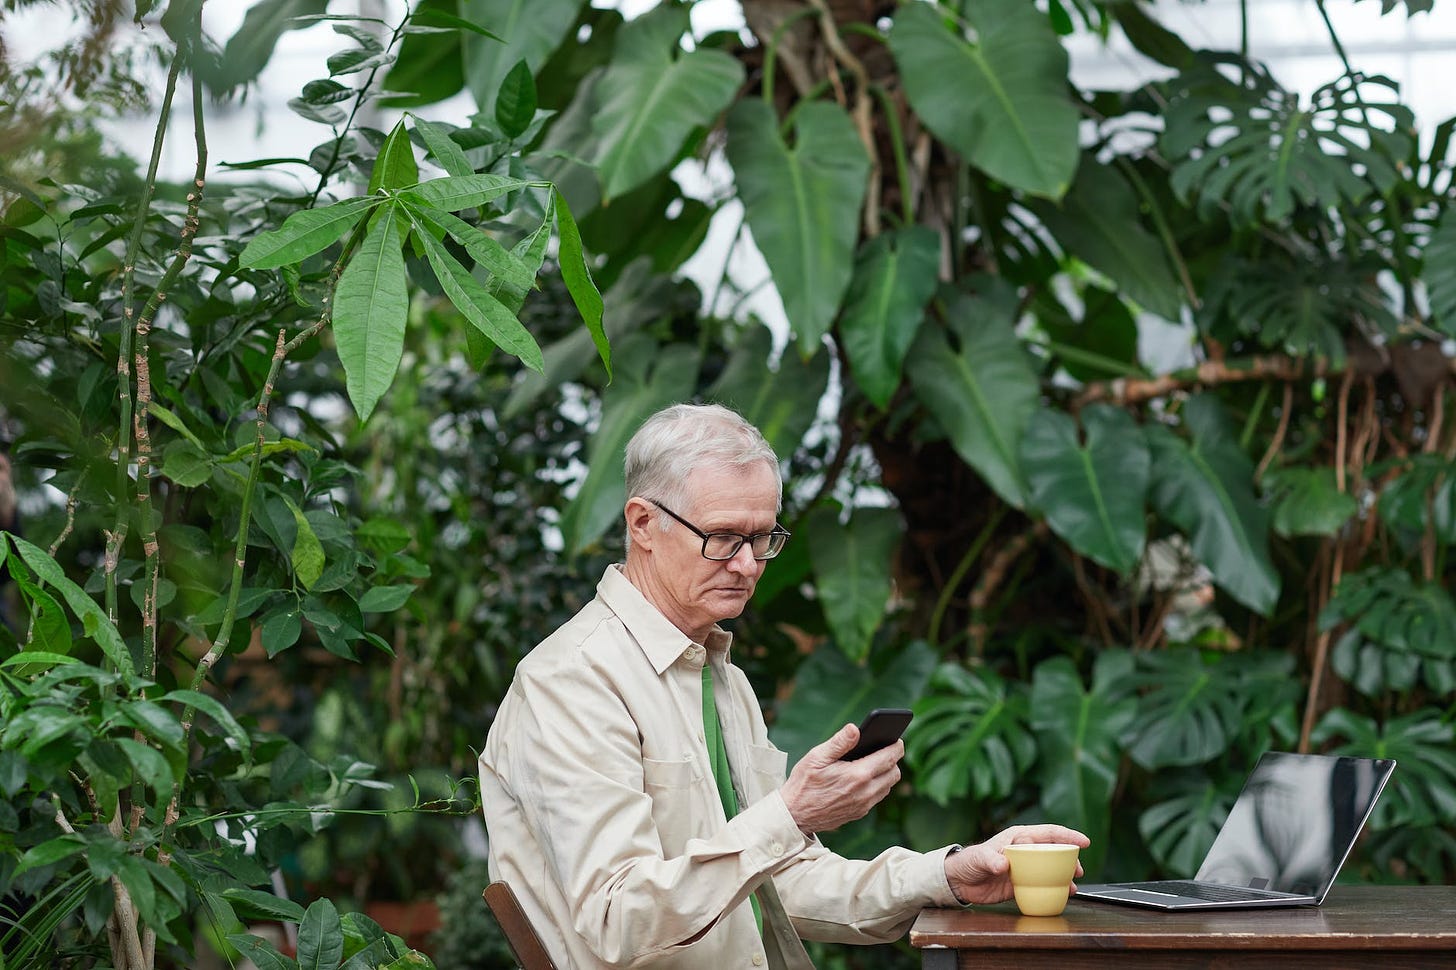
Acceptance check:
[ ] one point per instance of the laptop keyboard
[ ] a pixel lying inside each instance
(1212, 892)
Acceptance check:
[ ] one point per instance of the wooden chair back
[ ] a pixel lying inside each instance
(520, 934)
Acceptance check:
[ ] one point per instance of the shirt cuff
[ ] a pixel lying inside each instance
(953, 900)
(777, 839)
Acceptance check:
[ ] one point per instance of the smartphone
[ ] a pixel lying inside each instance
(880, 728)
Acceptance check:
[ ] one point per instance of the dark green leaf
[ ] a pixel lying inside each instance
(1092, 494)
(970, 736)
(458, 192)
(262, 953)
(320, 937)
(385, 599)
(779, 401)
(528, 30)
(93, 619)
(895, 276)
(852, 571)
(395, 166)
(577, 275)
(515, 104)
(446, 151)
(1001, 99)
(802, 203)
(1308, 502)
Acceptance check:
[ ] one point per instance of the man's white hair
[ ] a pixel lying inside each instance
(683, 438)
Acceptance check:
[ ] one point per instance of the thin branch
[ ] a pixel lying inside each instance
(992, 577)
(861, 112)
(1277, 442)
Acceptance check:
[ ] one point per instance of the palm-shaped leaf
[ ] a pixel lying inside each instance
(653, 95)
(1189, 711)
(1255, 147)
(894, 277)
(1000, 99)
(802, 204)
(852, 571)
(1423, 788)
(1180, 830)
(1092, 494)
(1206, 490)
(970, 736)
(1307, 501)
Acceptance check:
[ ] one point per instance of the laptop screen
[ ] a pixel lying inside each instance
(1295, 822)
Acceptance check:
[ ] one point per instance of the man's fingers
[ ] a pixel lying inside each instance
(840, 743)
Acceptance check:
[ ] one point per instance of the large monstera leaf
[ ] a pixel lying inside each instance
(1258, 149)
(895, 276)
(1205, 488)
(802, 202)
(1079, 731)
(653, 95)
(1092, 493)
(831, 691)
(1190, 710)
(852, 571)
(1180, 829)
(1000, 100)
(1423, 789)
(983, 393)
(652, 379)
(970, 736)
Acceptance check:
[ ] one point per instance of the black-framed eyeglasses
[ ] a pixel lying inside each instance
(722, 546)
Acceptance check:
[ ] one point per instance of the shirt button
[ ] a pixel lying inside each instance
(777, 848)
(758, 959)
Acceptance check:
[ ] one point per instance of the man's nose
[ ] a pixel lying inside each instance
(744, 562)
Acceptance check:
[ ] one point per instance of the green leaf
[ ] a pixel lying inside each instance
(656, 378)
(1261, 151)
(1422, 498)
(970, 736)
(186, 464)
(1103, 343)
(895, 276)
(175, 423)
(487, 252)
(457, 192)
(1439, 272)
(1307, 501)
(852, 571)
(151, 767)
(1092, 494)
(49, 629)
(263, 905)
(1190, 709)
(428, 68)
(262, 953)
(447, 153)
(1423, 789)
(802, 203)
(1078, 732)
(475, 303)
(50, 852)
(577, 276)
(249, 49)
(831, 691)
(531, 29)
(982, 396)
(1000, 100)
(515, 103)
(93, 619)
(281, 631)
(779, 401)
(303, 234)
(214, 709)
(320, 937)
(1180, 830)
(371, 306)
(395, 166)
(653, 95)
(385, 599)
(1100, 223)
(154, 721)
(307, 554)
(1206, 491)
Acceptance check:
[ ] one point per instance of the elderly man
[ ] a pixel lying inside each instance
(633, 799)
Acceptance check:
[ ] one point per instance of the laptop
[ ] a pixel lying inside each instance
(1284, 841)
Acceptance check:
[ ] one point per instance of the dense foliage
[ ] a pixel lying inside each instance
(1104, 589)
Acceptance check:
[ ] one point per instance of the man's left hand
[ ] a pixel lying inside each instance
(981, 874)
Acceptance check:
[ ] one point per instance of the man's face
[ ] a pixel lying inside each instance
(694, 592)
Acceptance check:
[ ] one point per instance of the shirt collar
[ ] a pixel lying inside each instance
(662, 642)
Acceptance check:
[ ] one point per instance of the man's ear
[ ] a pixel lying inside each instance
(639, 515)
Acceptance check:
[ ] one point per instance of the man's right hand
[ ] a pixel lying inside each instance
(823, 793)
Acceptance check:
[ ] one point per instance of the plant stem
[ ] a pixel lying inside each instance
(942, 602)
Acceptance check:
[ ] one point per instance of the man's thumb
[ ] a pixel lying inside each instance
(840, 743)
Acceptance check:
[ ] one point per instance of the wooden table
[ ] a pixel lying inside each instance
(1358, 927)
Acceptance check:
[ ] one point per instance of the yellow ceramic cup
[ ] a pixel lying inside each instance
(1041, 876)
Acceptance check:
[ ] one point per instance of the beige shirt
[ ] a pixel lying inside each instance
(604, 817)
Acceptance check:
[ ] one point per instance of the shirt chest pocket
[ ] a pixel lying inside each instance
(767, 767)
(677, 792)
